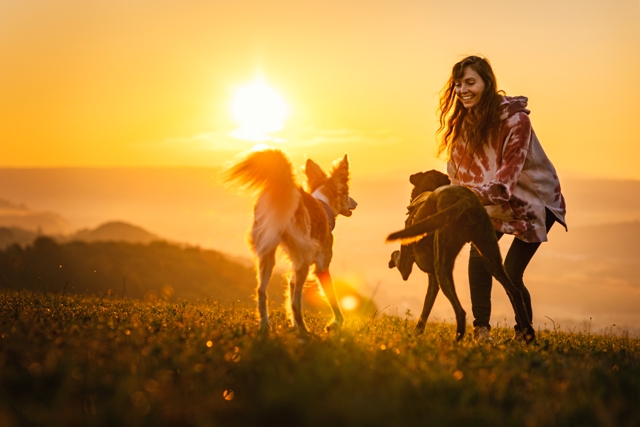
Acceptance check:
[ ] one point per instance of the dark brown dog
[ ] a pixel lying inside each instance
(442, 218)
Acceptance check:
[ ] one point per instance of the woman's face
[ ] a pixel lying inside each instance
(469, 87)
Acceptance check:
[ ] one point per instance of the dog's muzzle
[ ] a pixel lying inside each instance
(347, 211)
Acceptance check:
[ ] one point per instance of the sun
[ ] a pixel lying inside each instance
(259, 110)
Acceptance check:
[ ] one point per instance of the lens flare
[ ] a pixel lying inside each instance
(350, 302)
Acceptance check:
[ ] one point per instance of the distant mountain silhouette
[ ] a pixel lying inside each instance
(115, 231)
(157, 270)
(5, 204)
(11, 235)
(154, 271)
(19, 216)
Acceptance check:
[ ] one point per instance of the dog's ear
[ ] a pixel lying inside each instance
(315, 174)
(341, 169)
(416, 178)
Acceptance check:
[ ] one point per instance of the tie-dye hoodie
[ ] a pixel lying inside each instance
(512, 175)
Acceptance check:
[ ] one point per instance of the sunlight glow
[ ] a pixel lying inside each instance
(260, 147)
(350, 302)
(259, 110)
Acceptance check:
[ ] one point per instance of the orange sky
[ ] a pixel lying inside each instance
(124, 83)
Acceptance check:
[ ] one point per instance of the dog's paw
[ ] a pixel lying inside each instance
(419, 329)
(303, 332)
(334, 325)
(265, 327)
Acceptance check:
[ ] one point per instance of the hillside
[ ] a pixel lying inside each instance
(112, 231)
(124, 269)
(115, 231)
(19, 224)
(71, 361)
(155, 271)
(14, 215)
(20, 236)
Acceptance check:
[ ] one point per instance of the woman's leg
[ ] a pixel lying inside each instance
(518, 257)
(480, 282)
(516, 261)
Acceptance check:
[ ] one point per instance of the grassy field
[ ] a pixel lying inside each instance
(68, 360)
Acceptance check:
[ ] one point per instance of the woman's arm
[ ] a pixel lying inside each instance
(515, 147)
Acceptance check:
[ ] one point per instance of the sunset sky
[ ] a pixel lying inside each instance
(138, 83)
(157, 86)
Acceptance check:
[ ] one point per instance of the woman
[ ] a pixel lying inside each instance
(492, 149)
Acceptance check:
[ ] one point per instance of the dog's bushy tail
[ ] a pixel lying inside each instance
(417, 231)
(263, 169)
(269, 175)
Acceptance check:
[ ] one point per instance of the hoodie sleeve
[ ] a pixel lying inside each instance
(515, 146)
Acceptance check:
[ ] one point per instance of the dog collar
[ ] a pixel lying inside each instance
(331, 217)
(415, 204)
(418, 200)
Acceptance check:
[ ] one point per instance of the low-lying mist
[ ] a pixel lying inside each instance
(583, 279)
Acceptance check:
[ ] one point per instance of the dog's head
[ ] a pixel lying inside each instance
(403, 260)
(427, 181)
(335, 186)
(423, 182)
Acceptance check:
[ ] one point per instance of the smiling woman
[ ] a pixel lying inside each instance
(259, 110)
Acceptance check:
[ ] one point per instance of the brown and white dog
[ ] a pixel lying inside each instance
(299, 222)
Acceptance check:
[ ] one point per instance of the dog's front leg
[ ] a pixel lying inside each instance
(289, 301)
(330, 292)
(266, 263)
(429, 299)
(296, 298)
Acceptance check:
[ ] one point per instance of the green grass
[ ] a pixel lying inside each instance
(84, 361)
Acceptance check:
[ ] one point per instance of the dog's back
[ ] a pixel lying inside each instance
(443, 208)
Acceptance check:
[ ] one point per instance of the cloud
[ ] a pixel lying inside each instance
(297, 138)
(207, 141)
(313, 136)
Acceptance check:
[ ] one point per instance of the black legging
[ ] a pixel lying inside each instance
(516, 261)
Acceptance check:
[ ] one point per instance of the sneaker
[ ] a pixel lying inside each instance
(482, 333)
(518, 336)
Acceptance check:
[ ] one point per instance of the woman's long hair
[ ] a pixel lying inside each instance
(473, 124)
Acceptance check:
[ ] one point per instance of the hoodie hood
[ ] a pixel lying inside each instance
(513, 104)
